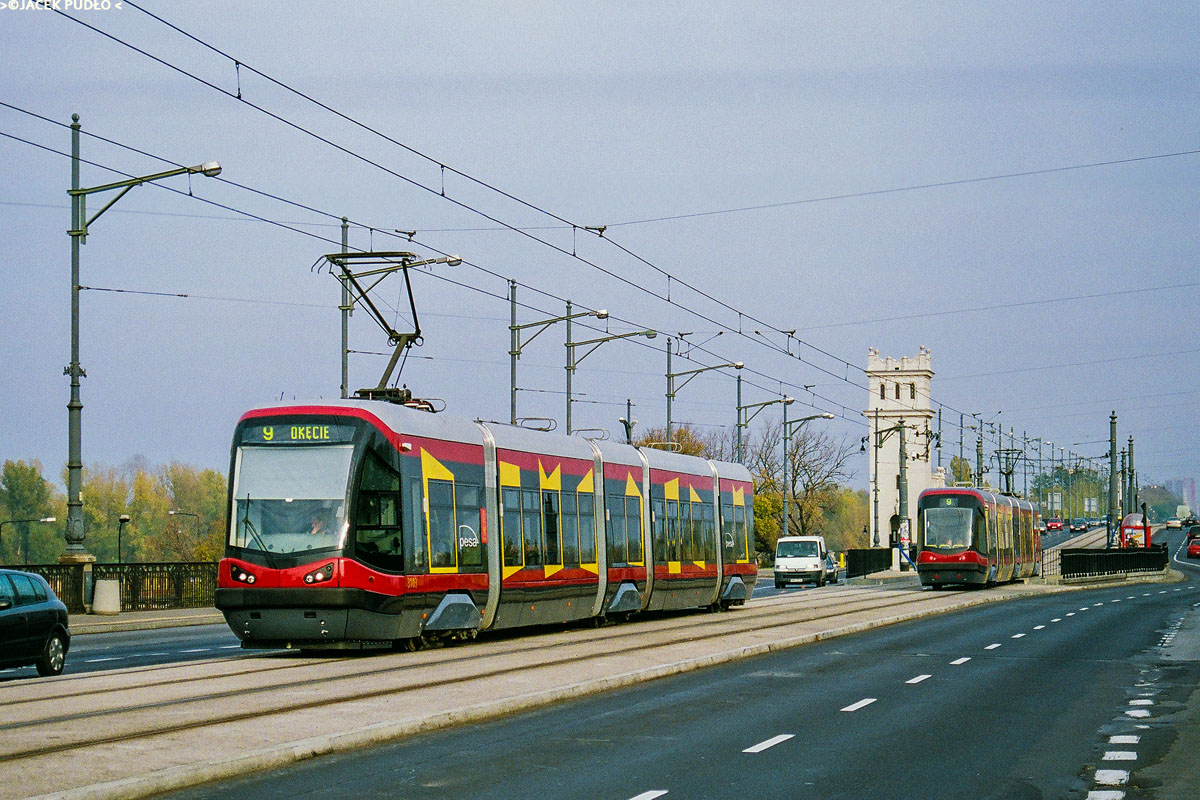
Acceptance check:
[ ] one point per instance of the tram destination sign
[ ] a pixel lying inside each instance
(297, 433)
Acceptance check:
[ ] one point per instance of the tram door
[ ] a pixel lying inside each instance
(993, 535)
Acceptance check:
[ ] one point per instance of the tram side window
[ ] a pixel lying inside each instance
(416, 560)
(617, 546)
(728, 539)
(550, 524)
(708, 532)
(377, 539)
(659, 527)
(739, 526)
(672, 530)
(633, 527)
(511, 528)
(587, 528)
(687, 547)
(442, 552)
(469, 505)
(570, 530)
(531, 516)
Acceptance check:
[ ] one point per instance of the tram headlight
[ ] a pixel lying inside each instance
(321, 575)
(240, 575)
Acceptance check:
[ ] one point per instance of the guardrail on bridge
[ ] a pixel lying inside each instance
(144, 586)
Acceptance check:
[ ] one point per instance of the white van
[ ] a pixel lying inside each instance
(800, 558)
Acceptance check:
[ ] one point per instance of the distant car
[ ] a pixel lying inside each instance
(1193, 532)
(1193, 550)
(1079, 525)
(1174, 522)
(1040, 526)
(831, 568)
(1055, 524)
(33, 623)
(1190, 520)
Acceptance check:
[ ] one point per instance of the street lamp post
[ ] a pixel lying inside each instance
(787, 438)
(79, 229)
(573, 362)
(174, 512)
(16, 521)
(516, 345)
(672, 388)
(744, 418)
(121, 522)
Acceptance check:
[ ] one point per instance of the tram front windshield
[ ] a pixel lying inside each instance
(948, 528)
(290, 499)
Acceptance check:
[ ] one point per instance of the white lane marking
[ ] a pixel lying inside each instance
(156, 654)
(1085, 608)
(650, 795)
(1057, 619)
(1097, 604)
(1141, 702)
(774, 740)
(866, 701)
(231, 647)
(1070, 613)
(1117, 600)
(98, 660)
(1112, 777)
(1120, 755)
(1124, 739)
(956, 662)
(1176, 590)
(1131, 597)
(198, 650)
(992, 646)
(1018, 636)
(1145, 594)
(1137, 713)
(1038, 627)
(1106, 794)
(918, 679)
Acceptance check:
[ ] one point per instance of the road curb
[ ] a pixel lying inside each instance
(187, 775)
(89, 627)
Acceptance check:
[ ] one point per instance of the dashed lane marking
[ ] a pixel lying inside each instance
(774, 740)
(1070, 613)
(866, 701)
(1057, 619)
(1106, 794)
(1141, 702)
(1112, 777)
(231, 647)
(1120, 755)
(1124, 739)
(1018, 636)
(956, 662)
(918, 679)
(198, 650)
(992, 646)
(1038, 627)
(1137, 713)
(98, 660)
(650, 795)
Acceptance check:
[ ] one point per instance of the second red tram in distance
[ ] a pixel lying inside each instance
(366, 523)
(975, 538)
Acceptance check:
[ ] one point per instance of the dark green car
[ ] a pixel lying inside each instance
(33, 624)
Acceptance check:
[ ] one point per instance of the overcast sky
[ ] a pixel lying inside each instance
(857, 153)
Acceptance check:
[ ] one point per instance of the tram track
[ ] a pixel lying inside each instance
(69, 726)
(525, 642)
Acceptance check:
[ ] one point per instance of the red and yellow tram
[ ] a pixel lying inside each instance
(366, 524)
(977, 538)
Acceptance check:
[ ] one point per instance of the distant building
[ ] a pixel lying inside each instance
(1185, 488)
(900, 405)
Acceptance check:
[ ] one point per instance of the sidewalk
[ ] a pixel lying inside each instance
(84, 624)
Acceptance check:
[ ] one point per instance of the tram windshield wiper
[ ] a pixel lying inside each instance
(248, 527)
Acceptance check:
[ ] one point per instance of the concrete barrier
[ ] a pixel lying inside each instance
(107, 597)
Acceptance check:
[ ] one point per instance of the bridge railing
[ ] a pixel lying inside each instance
(144, 586)
(865, 561)
(1081, 563)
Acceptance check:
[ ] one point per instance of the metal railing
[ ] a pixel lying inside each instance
(144, 587)
(866, 561)
(1080, 563)
(67, 581)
